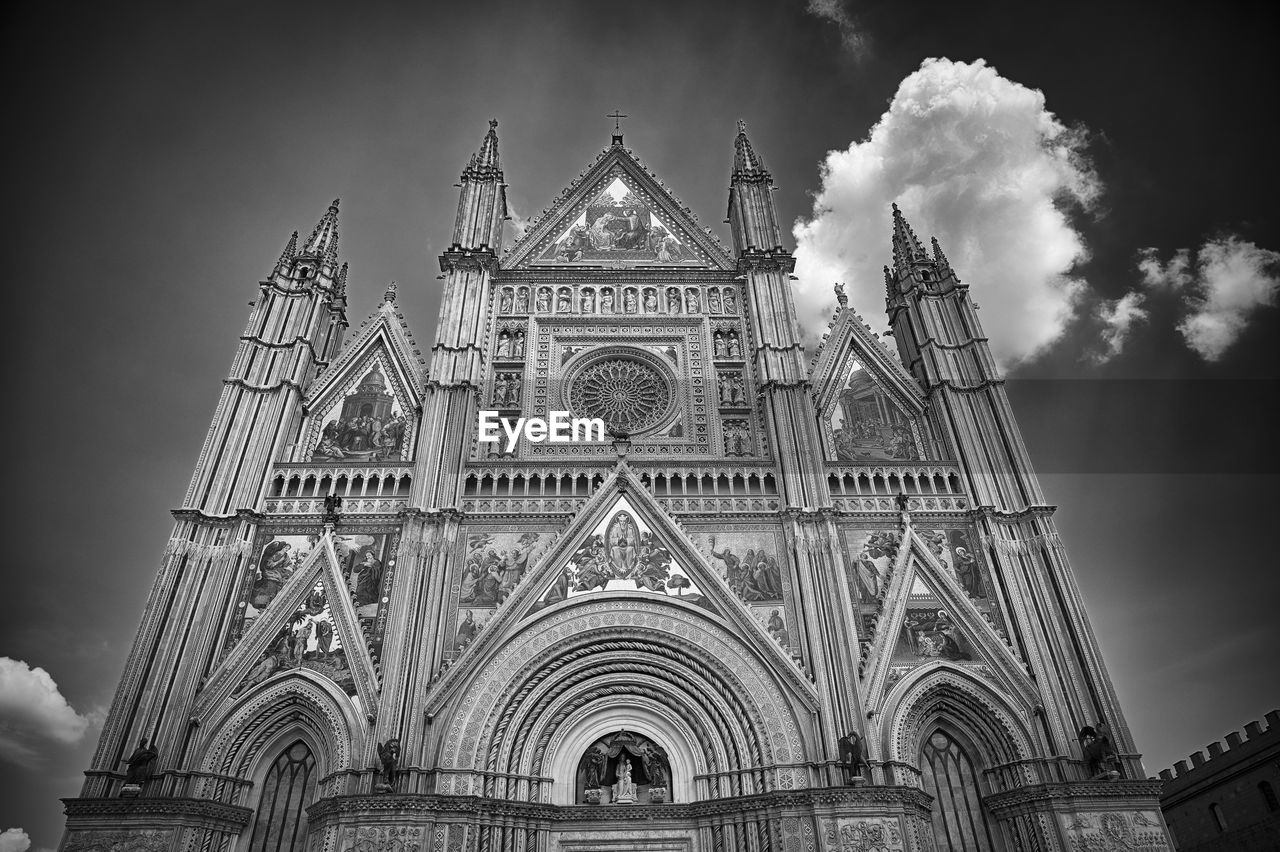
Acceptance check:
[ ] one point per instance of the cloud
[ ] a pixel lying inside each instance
(14, 840)
(33, 713)
(1118, 317)
(851, 35)
(977, 160)
(1229, 281)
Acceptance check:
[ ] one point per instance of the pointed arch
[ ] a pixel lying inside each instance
(286, 788)
(941, 694)
(243, 740)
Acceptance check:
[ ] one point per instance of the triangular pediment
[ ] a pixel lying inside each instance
(311, 622)
(927, 616)
(617, 215)
(870, 408)
(364, 408)
(621, 544)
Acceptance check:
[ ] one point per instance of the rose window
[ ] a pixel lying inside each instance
(627, 395)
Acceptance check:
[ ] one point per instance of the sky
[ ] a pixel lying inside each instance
(1102, 175)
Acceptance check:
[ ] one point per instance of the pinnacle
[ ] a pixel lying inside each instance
(906, 247)
(746, 163)
(484, 163)
(390, 295)
(324, 239)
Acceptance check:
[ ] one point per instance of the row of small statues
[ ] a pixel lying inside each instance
(690, 303)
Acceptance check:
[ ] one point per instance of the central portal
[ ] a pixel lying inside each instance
(623, 768)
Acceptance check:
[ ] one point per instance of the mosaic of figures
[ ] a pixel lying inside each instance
(620, 226)
(773, 618)
(367, 425)
(747, 561)
(622, 554)
(866, 425)
(929, 631)
(590, 299)
(362, 559)
(307, 639)
(495, 564)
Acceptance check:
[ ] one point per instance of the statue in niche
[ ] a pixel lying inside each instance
(141, 763)
(651, 760)
(650, 301)
(588, 302)
(504, 344)
(713, 300)
(732, 347)
(544, 299)
(624, 791)
(629, 301)
(517, 345)
(606, 301)
(731, 389)
(673, 301)
(730, 303)
(505, 305)
(564, 303)
(389, 755)
(853, 756)
(522, 300)
(691, 302)
(595, 768)
(718, 345)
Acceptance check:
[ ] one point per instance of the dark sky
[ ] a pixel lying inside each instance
(160, 156)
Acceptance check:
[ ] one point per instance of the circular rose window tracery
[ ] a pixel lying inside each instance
(627, 394)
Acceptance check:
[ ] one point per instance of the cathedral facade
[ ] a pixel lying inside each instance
(782, 603)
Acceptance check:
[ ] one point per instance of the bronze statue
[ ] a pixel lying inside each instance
(332, 505)
(141, 763)
(853, 755)
(389, 754)
(1099, 753)
(595, 768)
(902, 500)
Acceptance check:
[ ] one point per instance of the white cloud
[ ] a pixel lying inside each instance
(1229, 281)
(33, 712)
(1118, 317)
(977, 160)
(14, 840)
(851, 35)
(1173, 275)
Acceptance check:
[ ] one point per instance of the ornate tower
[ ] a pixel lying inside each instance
(781, 605)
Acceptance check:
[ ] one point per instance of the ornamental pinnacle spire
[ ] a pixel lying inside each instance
(746, 164)
(484, 163)
(323, 241)
(907, 249)
(482, 202)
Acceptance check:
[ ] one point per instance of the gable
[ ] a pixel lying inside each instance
(364, 409)
(617, 215)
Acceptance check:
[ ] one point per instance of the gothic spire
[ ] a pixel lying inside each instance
(324, 239)
(484, 163)
(906, 247)
(290, 250)
(745, 162)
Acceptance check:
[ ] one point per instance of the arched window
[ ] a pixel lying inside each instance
(948, 774)
(1219, 821)
(1269, 796)
(280, 824)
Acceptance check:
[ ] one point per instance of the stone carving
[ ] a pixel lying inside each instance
(736, 438)
(125, 840)
(522, 300)
(1114, 831)
(713, 300)
(506, 389)
(629, 303)
(378, 839)
(627, 395)
(389, 756)
(869, 834)
(544, 300)
(650, 300)
(504, 306)
(731, 390)
(624, 790)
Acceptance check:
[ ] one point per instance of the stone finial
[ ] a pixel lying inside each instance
(840, 294)
(390, 295)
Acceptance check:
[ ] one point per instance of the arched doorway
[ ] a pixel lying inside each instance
(280, 823)
(950, 776)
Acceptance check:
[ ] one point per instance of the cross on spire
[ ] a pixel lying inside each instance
(617, 116)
